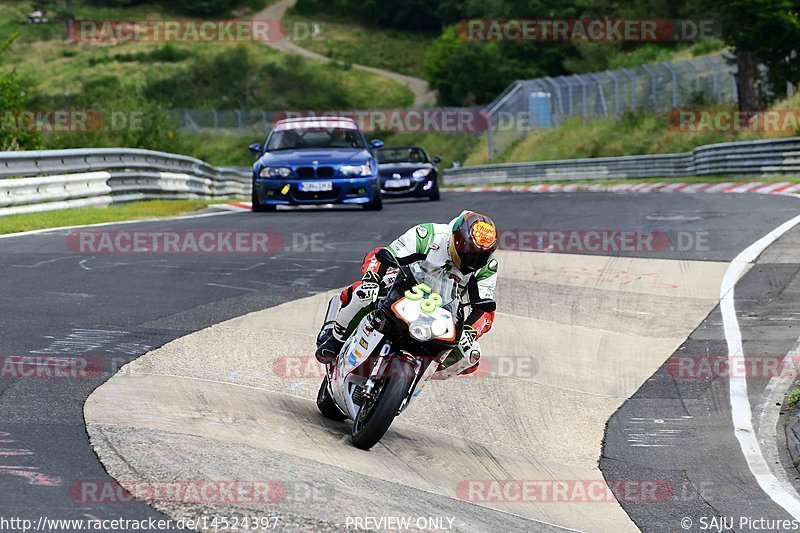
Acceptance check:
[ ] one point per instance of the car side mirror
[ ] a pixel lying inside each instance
(437, 160)
(385, 256)
(255, 148)
(376, 143)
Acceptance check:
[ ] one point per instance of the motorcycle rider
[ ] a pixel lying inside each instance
(465, 247)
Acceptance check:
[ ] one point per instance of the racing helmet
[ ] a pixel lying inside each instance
(473, 240)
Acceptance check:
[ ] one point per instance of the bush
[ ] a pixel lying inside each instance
(202, 8)
(165, 54)
(401, 14)
(237, 79)
(128, 119)
(14, 98)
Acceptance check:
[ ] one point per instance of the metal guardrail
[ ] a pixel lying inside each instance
(39, 181)
(761, 158)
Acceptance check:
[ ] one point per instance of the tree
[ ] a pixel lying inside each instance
(765, 32)
(464, 73)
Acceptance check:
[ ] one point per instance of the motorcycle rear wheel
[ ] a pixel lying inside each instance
(374, 419)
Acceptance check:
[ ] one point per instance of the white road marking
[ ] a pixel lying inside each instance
(231, 287)
(768, 414)
(741, 412)
(82, 340)
(40, 263)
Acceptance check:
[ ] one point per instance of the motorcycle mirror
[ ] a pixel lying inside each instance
(385, 256)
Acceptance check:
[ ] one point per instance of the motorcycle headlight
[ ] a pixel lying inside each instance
(275, 172)
(440, 327)
(421, 173)
(356, 170)
(420, 331)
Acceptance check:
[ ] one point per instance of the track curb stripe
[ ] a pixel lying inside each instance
(759, 187)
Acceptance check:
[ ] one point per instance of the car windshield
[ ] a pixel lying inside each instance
(402, 155)
(300, 138)
(438, 279)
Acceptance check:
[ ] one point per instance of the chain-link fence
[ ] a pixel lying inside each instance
(198, 120)
(527, 105)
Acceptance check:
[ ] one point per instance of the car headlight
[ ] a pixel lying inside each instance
(356, 170)
(420, 330)
(421, 173)
(275, 172)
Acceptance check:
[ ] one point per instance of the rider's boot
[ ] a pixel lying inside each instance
(329, 349)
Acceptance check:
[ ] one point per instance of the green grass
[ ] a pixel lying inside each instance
(792, 398)
(58, 69)
(631, 134)
(352, 42)
(97, 215)
(224, 149)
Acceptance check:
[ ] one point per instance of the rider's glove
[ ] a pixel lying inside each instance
(370, 284)
(468, 335)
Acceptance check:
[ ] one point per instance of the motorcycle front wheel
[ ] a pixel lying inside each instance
(374, 418)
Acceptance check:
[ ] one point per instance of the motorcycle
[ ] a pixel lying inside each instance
(395, 349)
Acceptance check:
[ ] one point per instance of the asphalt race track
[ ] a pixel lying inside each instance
(174, 414)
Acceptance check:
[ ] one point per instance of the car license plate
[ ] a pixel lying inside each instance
(397, 184)
(316, 186)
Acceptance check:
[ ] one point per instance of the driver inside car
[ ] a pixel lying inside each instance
(465, 248)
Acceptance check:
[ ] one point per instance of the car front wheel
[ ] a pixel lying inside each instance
(376, 204)
(258, 207)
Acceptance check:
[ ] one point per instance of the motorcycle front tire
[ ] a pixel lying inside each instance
(370, 428)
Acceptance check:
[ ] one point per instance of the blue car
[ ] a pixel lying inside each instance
(314, 161)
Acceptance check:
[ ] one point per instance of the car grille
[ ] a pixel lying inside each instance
(318, 195)
(325, 172)
(396, 190)
(305, 172)
(311, 172)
